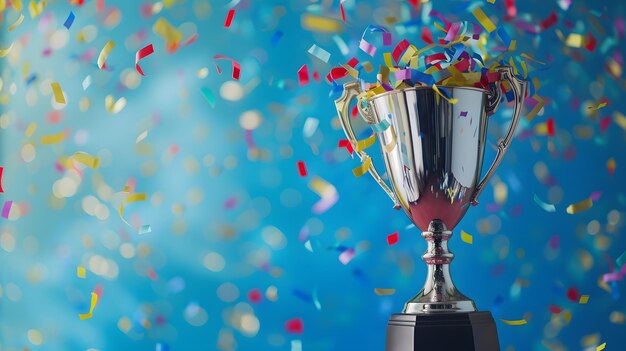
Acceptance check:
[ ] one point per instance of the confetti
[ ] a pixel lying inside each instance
(573, 294)
(483, 19)
(53, 138)
(81, 272)
(347, 255)
(547, 207)
(58, 93)
(86, 159)
(141, 137)
(70, 19)
(365, 143)
(580, 206)
(131, 198)
(319, 53)
(326, 191)
(601, 347)
(94, 301)
(346, 144)
(145, 229)
(208, 96)
(168, 33)
(1, 172)
(575, 40)
(384, 292)
(104, 53)
(6, 209)
(583, 299)
(229, 18)
(320, 24)
(610, 166)
(294, 326)
(4, 52)
(143, 52)
(302, 168)
(86, 82)
(363, 168)
(16, 23)
(392, 238)
(303, 75)
(440, 94)
(236, 66)
(466, 238)
(113, 106)
(296, 345)
(597, 107)
(514, 322)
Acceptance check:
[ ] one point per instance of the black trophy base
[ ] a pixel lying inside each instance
(471, 331)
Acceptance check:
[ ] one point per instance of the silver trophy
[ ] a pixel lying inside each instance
(433, 151)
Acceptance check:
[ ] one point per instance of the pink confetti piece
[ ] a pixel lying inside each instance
(367, 47)
(6, 208)
(347, 255)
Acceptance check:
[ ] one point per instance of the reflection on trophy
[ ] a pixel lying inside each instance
(433, 151)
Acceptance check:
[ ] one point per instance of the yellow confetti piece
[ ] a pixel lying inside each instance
(17, 5)
(17, 23)
(580, 206)
(53, 138)
(515, 322)
(575, 40)
(167, 32)
(466, 237)
(483, 19)
(362, 169)
(94, 301)
(321, 24)
(365, 143)
(491, 1)
(513, 45)
(567, 316)
(36, 8)
(114, 106)
(58, 93)
(81, 272)
(384, 292)
(452, 100)
(531, 115)
(583, 299)
(87, 159)
(4, 52)
(620, 119)
(597, 107)
(32, 126)
(136, 197)
(601, 347)
(104, 53)
(322, 188)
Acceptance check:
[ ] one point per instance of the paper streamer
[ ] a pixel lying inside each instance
(236, 66)
(466, 237)
(17, 23)
(6, 209)
(514, 322)
(94, 301)
(580, 206)
(58, 93)
(439, 93)
(69, 20)
(104, 53)
(365, 143)
(363, 168)
(53, 138)
(86, 159)
(483, 19)
(384, 292)
(136, 197)
(143, 52)
(319, 53)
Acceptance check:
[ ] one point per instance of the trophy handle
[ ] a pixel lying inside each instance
(494, 96)
(351, 91)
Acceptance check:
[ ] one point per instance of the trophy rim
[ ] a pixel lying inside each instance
(424, 87)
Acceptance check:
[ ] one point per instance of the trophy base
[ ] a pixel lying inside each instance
(472, 331)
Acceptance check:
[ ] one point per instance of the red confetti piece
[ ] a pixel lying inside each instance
(554, 309)
(229, 18)
(255, 295)
(436, 57)
(415, 3)
(354, 112)
(549, 22)
(550, 126)
(427, 36)
(572, 294)
(303, 75)
(143, 52)
(392, 238)
(77, 2)
(345, 143)
(302, 169)
(316, 77)
(343, 12)
(399, 49)
(294, 326)
(591, 43)
(604, 123)
(511, 10)
(236, 65)
(1, 170)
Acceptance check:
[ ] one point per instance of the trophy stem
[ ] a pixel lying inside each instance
(439, 293)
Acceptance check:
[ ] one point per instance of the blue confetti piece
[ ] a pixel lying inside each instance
(276, 37)
(69, 20)
(162, 347)
(302, 295)
(504, 36)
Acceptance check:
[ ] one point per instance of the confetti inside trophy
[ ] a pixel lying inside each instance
(433, 150)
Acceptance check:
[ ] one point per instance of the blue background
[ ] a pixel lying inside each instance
(216, 197)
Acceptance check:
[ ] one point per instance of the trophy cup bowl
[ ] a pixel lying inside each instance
(433, 152)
